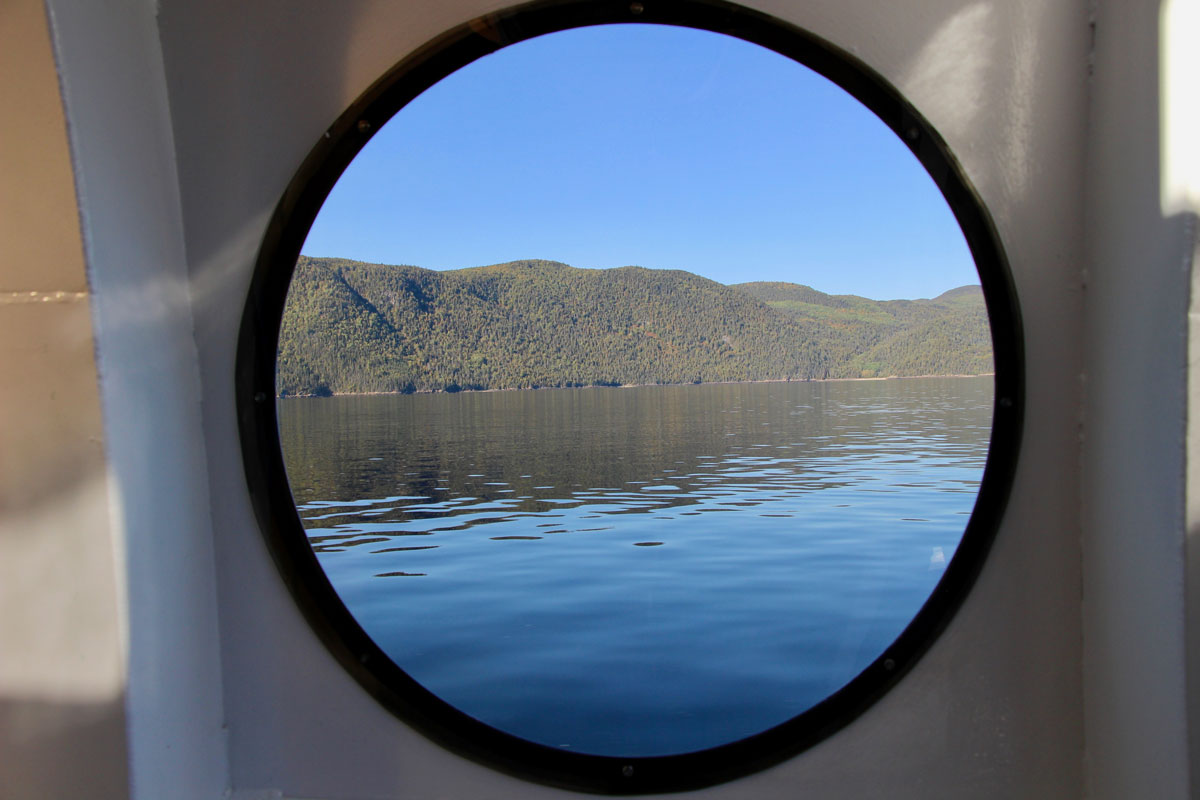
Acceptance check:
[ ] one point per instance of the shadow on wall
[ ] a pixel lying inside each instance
(59, 749)
(1139, 274)
(62, 698)
(62, 684)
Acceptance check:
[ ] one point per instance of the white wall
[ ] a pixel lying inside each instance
(188, 119)
(1137, 289)
(993, 711)
(62, 655)
(119, 121)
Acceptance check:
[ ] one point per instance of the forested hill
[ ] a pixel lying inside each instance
(353, 327)
(948, 335)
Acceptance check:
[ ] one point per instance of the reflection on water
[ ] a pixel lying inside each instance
(639, 571)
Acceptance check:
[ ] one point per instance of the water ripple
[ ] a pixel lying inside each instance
(666, 568)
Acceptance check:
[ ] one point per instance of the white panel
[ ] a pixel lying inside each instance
(119, 124)
(1133, 426)
(992, 711)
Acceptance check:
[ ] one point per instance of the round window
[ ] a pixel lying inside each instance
(629, 394)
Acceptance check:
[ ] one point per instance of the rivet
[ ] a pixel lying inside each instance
(260, 397)
(913, 133)
(364, 126)
(627, 770)
(889, 664)
(1006, 402)
(636, 8)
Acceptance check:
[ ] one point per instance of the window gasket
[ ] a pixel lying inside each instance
(275, 507)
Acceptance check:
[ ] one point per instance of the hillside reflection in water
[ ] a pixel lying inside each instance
(639, 571)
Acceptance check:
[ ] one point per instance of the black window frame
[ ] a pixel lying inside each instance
(275, 507)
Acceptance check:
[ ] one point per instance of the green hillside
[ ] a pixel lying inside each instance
(353, 327)
(948, 335)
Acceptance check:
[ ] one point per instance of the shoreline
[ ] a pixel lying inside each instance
(624, 386)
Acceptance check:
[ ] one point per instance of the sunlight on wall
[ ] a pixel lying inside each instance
(1179, 110)
(949, 72)
(67, 652)
(1020, 120)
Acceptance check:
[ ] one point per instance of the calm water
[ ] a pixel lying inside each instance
(639, 571)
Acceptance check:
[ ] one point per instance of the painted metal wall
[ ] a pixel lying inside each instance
(1063, 673)
(994, 710)
(1137, 283)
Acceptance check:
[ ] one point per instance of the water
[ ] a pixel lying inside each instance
(639, 571)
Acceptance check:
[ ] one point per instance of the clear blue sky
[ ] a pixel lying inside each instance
(655, 146)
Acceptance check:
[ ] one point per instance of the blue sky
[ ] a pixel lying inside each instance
(649, 145)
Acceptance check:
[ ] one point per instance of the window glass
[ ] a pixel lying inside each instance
(635, 389)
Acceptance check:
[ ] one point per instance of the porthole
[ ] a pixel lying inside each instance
(600, 586)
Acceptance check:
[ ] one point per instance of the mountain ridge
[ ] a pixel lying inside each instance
(351, 327)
